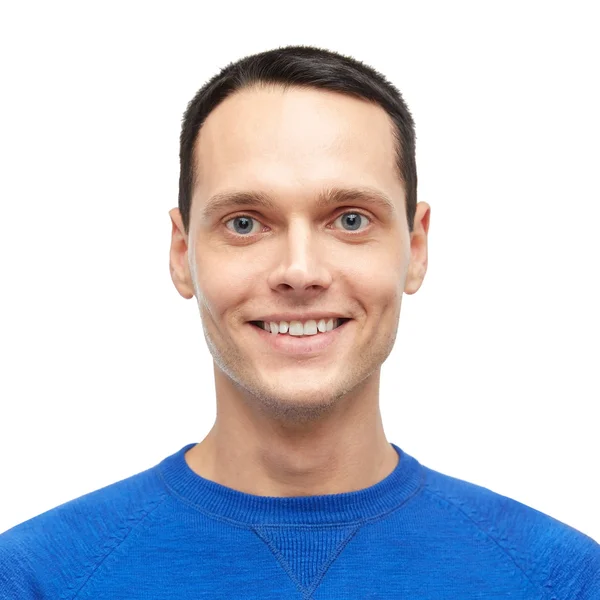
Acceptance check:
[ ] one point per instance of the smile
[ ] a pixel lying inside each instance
(304, 343)
(299, 329)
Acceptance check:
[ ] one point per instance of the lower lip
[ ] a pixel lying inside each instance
(300, 345)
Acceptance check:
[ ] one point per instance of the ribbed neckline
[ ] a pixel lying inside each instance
(221, 501)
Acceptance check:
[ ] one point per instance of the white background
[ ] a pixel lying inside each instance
(104, 368)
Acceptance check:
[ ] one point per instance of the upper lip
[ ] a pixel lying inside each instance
(277, 317)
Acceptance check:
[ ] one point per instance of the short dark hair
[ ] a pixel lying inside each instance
(305, 67)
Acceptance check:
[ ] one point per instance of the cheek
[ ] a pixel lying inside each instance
(223, 282)
(380, 271)
(378, 283)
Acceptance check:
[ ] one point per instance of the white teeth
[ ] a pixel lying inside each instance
(297, 328)
(310, 327)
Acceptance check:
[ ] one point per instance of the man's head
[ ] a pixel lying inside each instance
(298, 197)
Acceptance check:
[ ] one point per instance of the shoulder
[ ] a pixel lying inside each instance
(53, 553)
(562, 561)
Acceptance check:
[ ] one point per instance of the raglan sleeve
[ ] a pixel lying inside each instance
(17, 577)
(591, 573)
(576, 573)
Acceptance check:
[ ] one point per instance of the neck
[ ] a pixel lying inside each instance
(248, 451)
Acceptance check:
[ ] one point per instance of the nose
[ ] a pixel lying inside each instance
(301, 265)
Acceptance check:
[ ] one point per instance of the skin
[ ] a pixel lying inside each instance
(288, 425)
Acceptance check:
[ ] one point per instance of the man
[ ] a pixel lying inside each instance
(298, 231)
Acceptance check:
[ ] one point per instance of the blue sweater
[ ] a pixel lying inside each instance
(169, 534)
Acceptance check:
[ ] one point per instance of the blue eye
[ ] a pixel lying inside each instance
(244, 224)
(353, 220)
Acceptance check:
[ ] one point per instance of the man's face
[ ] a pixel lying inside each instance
(298, 256)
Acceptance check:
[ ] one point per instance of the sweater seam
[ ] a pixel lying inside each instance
(111, 544)
(491, 537)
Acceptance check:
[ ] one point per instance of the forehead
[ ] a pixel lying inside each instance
(281, 140)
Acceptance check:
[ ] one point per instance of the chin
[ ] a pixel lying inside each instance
(284, 398)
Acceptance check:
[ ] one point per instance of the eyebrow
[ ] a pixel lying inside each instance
(327, 198)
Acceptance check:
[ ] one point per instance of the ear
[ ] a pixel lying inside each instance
(178, 257)
(418, 249)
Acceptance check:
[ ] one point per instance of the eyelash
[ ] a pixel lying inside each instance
(348, 212)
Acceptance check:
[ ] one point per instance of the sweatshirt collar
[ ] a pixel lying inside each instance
(220, 501)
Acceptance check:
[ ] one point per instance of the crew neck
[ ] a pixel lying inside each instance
(224, 502)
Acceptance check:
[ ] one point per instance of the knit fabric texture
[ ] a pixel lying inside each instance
(169, 534)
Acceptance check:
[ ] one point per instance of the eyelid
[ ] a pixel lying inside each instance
(355, 212)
